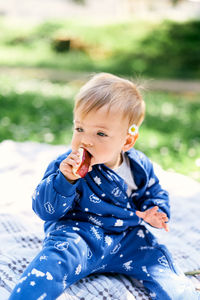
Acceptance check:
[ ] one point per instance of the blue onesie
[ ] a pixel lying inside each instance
(91, 227)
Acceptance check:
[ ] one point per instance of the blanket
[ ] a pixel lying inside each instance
(21, 167)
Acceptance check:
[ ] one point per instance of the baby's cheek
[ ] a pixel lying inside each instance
(99, 158)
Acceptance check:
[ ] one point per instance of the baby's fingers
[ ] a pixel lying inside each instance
(153, 209)
(72, 162)
(140, 214)
(165, 226)
(162, 215)
(165, 219)
(73, 158)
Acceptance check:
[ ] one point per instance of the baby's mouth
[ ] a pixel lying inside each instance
(92, 158)
(89, 154)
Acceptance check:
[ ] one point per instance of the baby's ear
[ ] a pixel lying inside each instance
(130, 141)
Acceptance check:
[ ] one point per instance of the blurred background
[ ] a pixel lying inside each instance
(49, 48)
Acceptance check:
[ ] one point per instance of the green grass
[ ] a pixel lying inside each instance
(138, 48)
(35, 110)
(170, 134)
(41, 111)
(32, 46)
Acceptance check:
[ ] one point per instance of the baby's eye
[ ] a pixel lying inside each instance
(101, 134)
(79, 129)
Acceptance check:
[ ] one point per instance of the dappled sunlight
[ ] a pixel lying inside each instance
(43, 65)
(171, 129)
(136, 47)
(169, 135)
(47, 110)
(140, 49)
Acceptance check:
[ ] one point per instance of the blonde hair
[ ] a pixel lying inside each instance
(107, 89)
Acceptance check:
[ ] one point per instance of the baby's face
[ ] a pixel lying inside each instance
(102, 133)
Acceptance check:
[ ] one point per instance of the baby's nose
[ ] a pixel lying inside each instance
(87, 143)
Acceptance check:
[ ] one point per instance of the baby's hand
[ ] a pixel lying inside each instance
(67, 165)
(154, 218)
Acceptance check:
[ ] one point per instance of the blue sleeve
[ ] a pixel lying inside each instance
(154, 195)
(54, 195)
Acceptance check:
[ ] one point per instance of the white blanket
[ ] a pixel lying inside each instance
(21, 167)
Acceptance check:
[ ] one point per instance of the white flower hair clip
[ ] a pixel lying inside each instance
(133, 130)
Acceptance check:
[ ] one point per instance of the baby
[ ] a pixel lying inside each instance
(96, 198)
